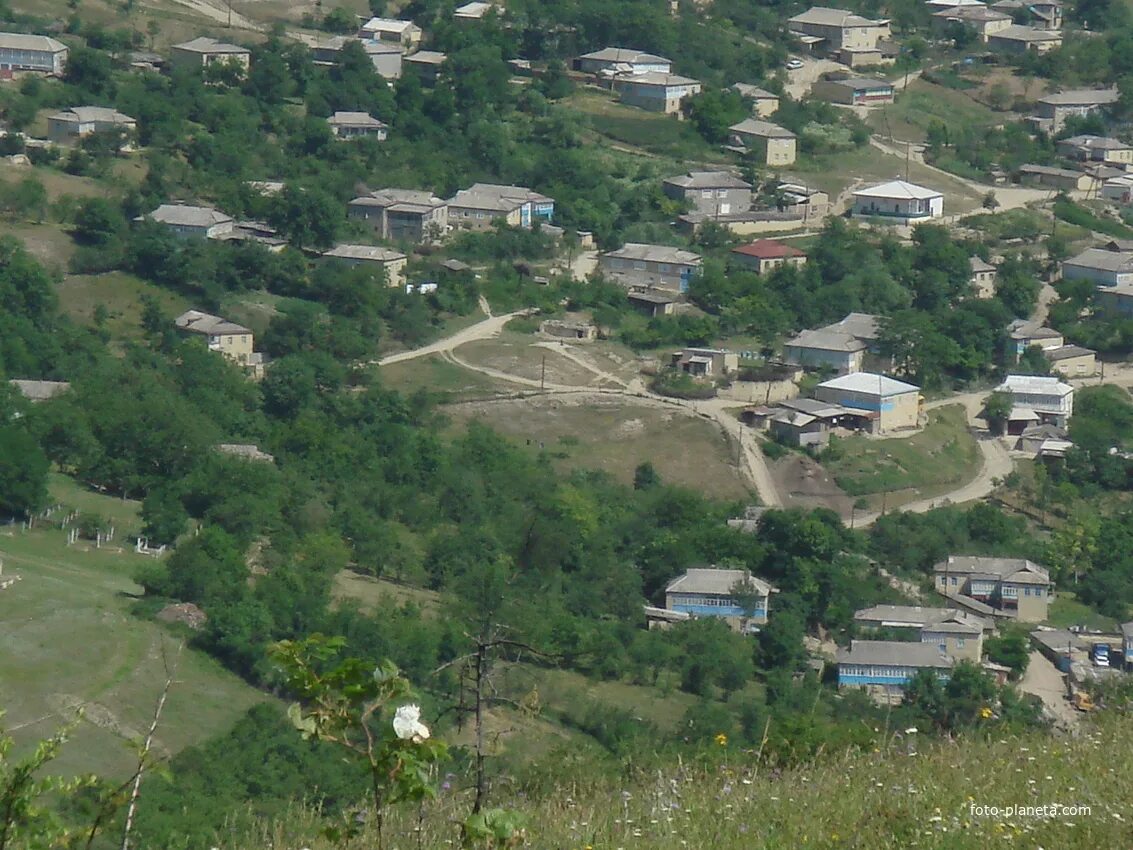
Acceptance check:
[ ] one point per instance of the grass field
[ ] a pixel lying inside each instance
(910, 116)
(615, 435)
(372, 594)
(1066, 610)
(939, 458)
(70, 639)
(121, 294)
(450, 381)
(650, 133)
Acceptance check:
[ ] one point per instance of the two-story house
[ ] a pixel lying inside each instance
(713, 193)
(205, 52)
(764, 104)
(1101, 267)
(650, 266)
(1025, 333)
(656, 91)
(983, 21)
(622, 60)
(228, 338)
(771, 144)
(1047, 401)
(402, 215)
(392, 262)
(1020, 588)
(78, 121)
(480, 205)
(888, 665)
(41, 54)
(1053, 109)
(850, 38)
(1097, 149)
(357, 125)
(983, 277)
(1041, 15)
(736, 596)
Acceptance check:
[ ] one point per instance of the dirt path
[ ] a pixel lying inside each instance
(486, 329)
(568, 352)
(220, 13)
(1043, 680)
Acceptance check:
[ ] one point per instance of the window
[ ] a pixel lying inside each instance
(959, 643)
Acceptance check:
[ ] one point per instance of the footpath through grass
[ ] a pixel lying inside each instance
(940, 458)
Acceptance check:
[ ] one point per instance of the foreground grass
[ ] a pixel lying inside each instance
(942, 456)
(911, 795)
(925, 103)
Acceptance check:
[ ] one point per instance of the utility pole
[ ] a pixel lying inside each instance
(543, 374)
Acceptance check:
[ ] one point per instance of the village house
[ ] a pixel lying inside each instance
(392, 262)
(404, 33)
(652, 302)
(764, 255)
(772, 145)
(427, 64)
(710, 592)
(821, 348)
(849, 38)
(983, 277)
(192, 221)
(1043, 15)
(957, 638)
(481, 204)
(1097, 149)
(37, 391)
(764, 104)
(985, 22)
(1115, 300)
(1024, 333)
(888, 665)
(386, 58)
(890, 405)
(656, 91)
(78, 121)
(1072, 361)
(854, 91)
(1013, 585)
(1127, 644)
(916, 617)
(1044, 441)
(808, 203)
(712, 193)
(1063, 179)
(402, 215)
(22, 53)
(230, 339)
(575, 330)
(472, 12)
(1100, 266)
(614, 61)
(899, 202)
(1053, 109)
(1118, 189)
(205, 52)
(705, 362)
(1037, 399)
(807, 421)
(650, 266)
(1017, 39)
(348, 126)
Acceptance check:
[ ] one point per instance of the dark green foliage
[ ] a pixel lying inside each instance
(23, 473)
(1011, 649)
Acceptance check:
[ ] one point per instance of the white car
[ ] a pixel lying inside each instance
(794, 64)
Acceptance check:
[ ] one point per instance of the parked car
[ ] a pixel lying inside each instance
(1100, 654)
(794, 64)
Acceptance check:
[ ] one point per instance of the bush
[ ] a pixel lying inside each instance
(681, 385)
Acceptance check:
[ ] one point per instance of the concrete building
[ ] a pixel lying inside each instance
(772, 145)
(712, 592)
(1097, 149)
(983, 277)
(1017, 39)
(899, 202)
(402, 215)
(764, 104)
(891, 405)
(1072, 361)
(1013, 585)
(386, 58)
(78, 121)
(348, 126)
(392, 262)
(205, 52)
(480, 205)
(1062, 179)
(406, 34)
(711, 193)
(1025, 333)
(1043, 15)
(614, 61)
(193, 221)
(1115, 300)
(887, 665)
(854, 91)
(1118, 189)
(1047, 400)
(958, 639)
(1099, 266)
(840, 352)
(705, 362)
(984, 21)
(650, 266)
(764, 255)
(22, 53)
(428, 64)
(1053, 109)
(228, 338)
(656, 91)
(845, 36)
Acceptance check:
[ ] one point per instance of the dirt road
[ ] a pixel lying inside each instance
(1043, 680)
(217, 11)
(800, 81)
(486, 329)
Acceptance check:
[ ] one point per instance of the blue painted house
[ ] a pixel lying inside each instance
(1127, 643)
(709, 592)
(889, 664)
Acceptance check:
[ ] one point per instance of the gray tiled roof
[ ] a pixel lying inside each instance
(204, 44)
(762, 129)
(824, 340)
(708, 180)
(654, 253)
(1103, 260)
(713, 581)
(187, 215)
(195, 321)
(1017, 570)
(892, 653)
(23, 41)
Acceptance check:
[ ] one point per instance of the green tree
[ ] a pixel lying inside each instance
(997, 410)
(1011, 649)
(23, 473)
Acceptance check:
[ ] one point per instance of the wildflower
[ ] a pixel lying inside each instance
(722, 739)
(407, 724)
(912, 730)
(985, 712)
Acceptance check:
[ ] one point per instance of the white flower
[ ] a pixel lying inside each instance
(407, 724)
(912, 730)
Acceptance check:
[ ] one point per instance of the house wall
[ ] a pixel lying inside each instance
(958, 646)
(836, 92)
(842, 362)
(655, 98)
(1076, 367)
(712, 202)
(899, 209)
(893, 676)
(711, 605)
(1102, 277)
(673, 277)
(984, 284)
(467, 218)
(1117, 303)
(33, 60)
(192, 59)
(1030, 602)
(894, 412)
(236, 347)
(1046, 404)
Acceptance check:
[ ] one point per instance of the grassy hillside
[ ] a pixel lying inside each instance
(69, 639)
(906, 797)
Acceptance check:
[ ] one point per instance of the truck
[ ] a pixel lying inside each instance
(1099, 653)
